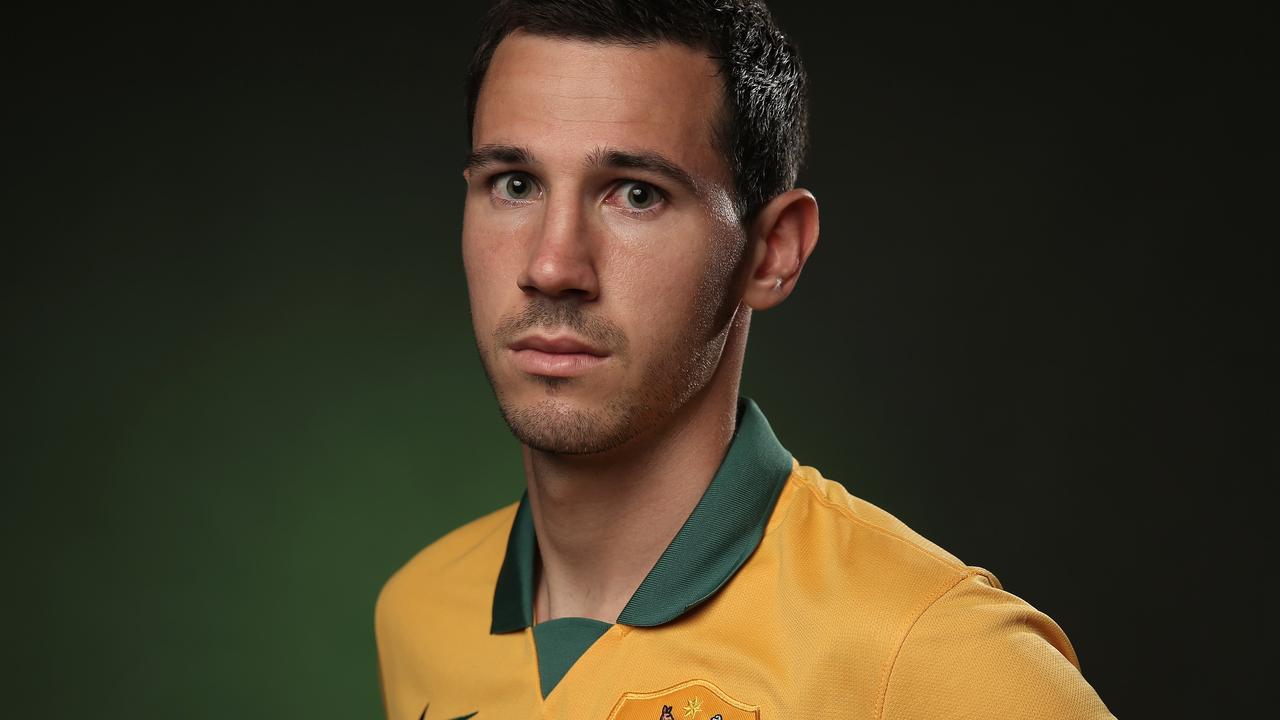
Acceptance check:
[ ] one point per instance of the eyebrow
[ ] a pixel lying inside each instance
(646, 160)
(486, 155)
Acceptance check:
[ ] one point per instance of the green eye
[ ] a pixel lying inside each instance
(515, 186)
(639, 195)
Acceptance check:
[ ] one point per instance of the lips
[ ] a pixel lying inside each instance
(562, 344)
(556, 356)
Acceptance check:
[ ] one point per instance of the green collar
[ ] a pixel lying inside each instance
(723, 530)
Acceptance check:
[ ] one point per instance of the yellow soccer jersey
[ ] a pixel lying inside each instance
(782, 596)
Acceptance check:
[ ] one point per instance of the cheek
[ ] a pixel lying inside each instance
(490, 259)
(483, 271)
(665, 296)
(480, 238)
(652, 263)
(655, 290)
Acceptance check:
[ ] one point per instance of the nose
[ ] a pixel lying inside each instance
(562, 254)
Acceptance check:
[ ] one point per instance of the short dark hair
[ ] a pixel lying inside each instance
(764, 130)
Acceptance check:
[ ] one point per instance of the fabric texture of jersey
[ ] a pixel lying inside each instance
(783, 596)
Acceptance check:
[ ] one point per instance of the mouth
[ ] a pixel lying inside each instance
(555, 356)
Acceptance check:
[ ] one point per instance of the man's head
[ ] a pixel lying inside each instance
(629, 189)
(762, 126)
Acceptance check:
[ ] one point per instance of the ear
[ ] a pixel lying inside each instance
(782, 236)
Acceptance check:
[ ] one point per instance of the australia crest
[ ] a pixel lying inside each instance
(690, 700)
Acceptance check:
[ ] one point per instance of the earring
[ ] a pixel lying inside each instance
(777, 283)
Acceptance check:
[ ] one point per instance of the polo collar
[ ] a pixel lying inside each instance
(721, 533)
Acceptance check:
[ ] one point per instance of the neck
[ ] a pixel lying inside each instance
(603, 520)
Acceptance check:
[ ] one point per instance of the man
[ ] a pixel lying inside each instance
(629, 204)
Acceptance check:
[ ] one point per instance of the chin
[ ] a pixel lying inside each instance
(568, 426)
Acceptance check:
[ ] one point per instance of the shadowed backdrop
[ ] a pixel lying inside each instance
(242, 389)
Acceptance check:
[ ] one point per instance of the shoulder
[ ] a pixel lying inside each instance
(867, 540)
(867, 516)
(955, 643)
(457, 569)
(980, 649)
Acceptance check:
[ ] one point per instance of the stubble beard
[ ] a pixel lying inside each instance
(555, 426)
(687, 365)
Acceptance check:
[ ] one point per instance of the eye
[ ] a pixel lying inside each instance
(639, 195)
(515, 186)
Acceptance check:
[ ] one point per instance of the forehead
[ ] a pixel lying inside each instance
(565, 98)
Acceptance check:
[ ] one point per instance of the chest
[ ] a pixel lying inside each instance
(755, 667)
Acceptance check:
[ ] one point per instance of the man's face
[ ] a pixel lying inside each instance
(599, 237)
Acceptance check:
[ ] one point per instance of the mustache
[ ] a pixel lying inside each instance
(544, 312)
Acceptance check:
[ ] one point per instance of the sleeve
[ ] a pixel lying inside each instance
(980, 652)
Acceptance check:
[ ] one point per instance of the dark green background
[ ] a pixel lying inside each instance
(241, 387)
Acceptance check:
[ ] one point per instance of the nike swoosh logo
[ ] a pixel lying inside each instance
(423, 716)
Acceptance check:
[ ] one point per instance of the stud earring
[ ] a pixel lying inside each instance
(777, 283)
